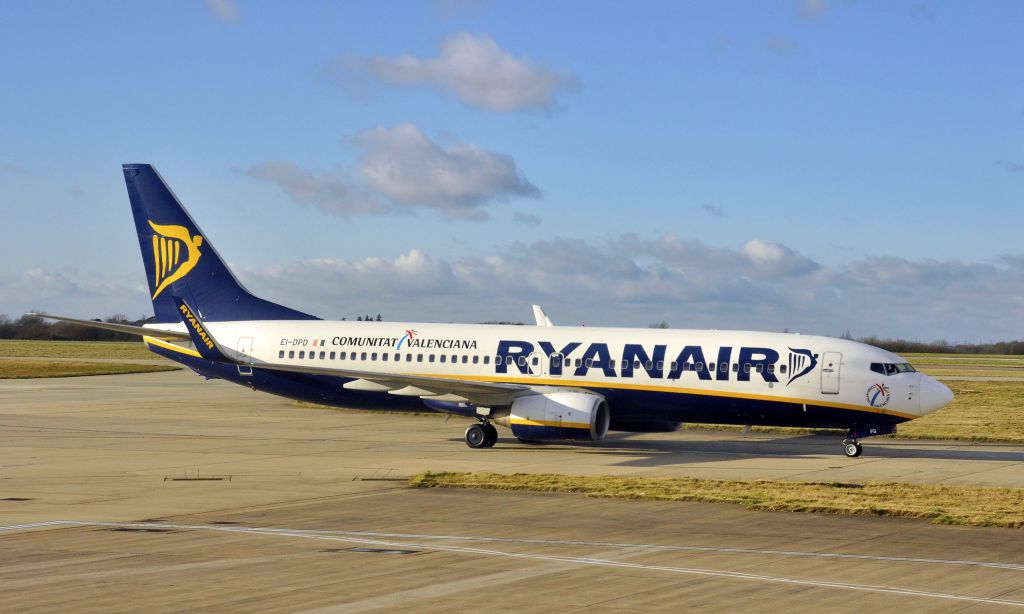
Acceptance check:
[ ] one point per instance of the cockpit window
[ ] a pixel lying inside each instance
(892, 368)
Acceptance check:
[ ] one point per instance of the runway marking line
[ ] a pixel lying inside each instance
(354, 537)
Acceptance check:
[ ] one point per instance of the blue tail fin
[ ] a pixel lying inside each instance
(181, 261)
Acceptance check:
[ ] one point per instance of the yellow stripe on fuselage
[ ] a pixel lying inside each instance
(172, 347)
(537, 381)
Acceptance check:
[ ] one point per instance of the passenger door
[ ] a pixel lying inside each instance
(830, 364)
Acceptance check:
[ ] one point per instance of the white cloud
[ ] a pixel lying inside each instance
(13, 168)
(72, 292)
(529, 219)
(332, 192)
(631, 280)
(402, 169)
(623, 281)
(780, 45)
(474, 69)
(714, 210)
(225, 11)
(812, 9)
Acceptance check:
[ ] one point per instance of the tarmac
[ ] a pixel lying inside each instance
(164, 492)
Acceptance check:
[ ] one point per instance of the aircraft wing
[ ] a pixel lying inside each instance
(130, 329)
(425, 386)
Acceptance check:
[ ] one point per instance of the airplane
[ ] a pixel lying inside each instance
(542, 382)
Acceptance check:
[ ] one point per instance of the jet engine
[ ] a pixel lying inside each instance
(558, 415)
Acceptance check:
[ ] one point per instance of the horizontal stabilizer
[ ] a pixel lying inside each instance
(129, 329)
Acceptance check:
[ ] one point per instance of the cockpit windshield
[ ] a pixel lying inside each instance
(892, 368)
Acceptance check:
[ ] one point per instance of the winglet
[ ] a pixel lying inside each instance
(541, 317)
(205, 344)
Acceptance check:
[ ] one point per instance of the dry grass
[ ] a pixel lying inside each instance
(74, 349)
(962, 505)
(28, 369)
(980, 411)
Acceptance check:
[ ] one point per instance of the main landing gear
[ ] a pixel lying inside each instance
(852, 448)
(481, 435)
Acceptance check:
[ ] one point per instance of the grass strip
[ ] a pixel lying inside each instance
(74, 349)
(957, 505)
(29, 369)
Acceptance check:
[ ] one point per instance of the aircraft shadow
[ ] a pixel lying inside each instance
(674, 450)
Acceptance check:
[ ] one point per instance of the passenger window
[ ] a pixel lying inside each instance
(398, 357)
(648, 365)
(323, 355)
(735, 367)
(280, 354)
(771, 368)
(535, 361)
(455, 358)
(443, 357)
(589, 362)
(291, 353)
(419, 358)
(476, 360)
(579, 363)
(408, 358)
(384, 356)
(487, 359)
(465, 359)
(636, 364)
(341, 355)
(746, 368)
(302, 353)
(363, 357)
(723, 367)
(312, 355)
(611, 363)
(331, 356)
(522, 361)
(660, 365)
(430, 358)
(760, 368)
(674, 366)
(782, 369)
(699, 366)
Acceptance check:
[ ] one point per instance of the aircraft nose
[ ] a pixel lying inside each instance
(934, 395)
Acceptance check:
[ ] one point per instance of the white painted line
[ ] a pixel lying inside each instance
(352, 537)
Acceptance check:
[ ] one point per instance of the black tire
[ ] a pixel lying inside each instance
(853, 449)
(492, 435)
(476, 436)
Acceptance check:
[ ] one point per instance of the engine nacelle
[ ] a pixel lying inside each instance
(558, 415)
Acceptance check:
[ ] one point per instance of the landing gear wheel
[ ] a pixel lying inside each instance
(853, 449)
(491, 435)
(476, 436)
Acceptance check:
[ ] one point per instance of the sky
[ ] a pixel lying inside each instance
(805, 165)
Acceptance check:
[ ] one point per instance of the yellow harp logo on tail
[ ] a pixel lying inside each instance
(175, 253)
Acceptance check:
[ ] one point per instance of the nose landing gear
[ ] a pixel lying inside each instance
(481, 435)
